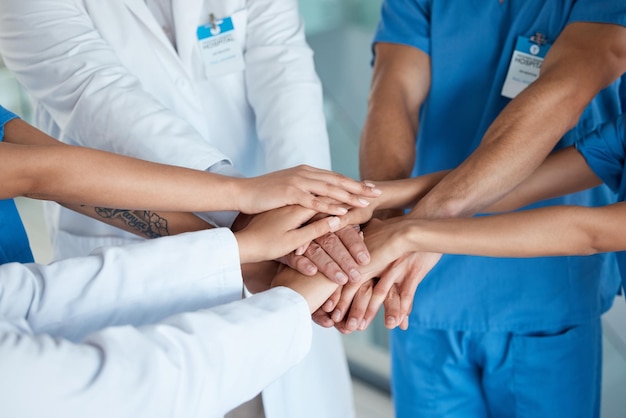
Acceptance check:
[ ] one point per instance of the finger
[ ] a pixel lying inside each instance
(330, 304)
(341, 327)
(381, 289)
(393, 315)
(359, 188)
(404, 325)
(304, 235)
(352, 239)
(299, 263)
(322, 319)
(322, 195)
(336, 249)
(325, 264)
(421, 265)
(359, 306)
(302, 249)
(347, 294)
(338, 194)
(407, 294)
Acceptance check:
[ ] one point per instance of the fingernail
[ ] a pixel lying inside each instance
(334, 222)
(336, 316)
(377, 192)
(327, 306)
(355, 275)
(390, 320)
(352, 323)
(370, 185)
(311, 270)
(364, 202)
(341, 278)
(342, 210)
(363, 325)
(363, 258)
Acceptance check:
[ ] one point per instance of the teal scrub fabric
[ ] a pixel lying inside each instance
(14, 245)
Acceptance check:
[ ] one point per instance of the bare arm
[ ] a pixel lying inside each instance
(563, 172)
(400, 83)
(585, 58)
(549, 231)
(36, 165)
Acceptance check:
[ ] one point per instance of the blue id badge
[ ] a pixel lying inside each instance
(219, 47)
(525, 64)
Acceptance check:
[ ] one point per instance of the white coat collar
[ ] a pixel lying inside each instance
(141, 11)
(186, 14)
(187, 18)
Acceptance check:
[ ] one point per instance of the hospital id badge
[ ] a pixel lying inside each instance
(219, 47)
(525, 64)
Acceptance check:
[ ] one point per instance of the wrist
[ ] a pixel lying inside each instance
(315, 290)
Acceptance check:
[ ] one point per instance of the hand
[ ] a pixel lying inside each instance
(400, 273)
(337, 256)
(314, 289)
(395, 289)
(273, 234)
(305, 186)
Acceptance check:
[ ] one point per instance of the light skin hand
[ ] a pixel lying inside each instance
(395, 289)
(314, 289)
(396, 194)
(386, 241)
(321, 190)
(36, 165)
(563, 172)
(338, 256)
(273, 234)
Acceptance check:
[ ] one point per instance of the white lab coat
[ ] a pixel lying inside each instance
(123, 333)
(83, 60)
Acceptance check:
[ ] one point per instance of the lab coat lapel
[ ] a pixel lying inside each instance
(187, 18)
(143, 14)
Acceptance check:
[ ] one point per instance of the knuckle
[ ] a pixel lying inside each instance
(301, 263)
(327, 240)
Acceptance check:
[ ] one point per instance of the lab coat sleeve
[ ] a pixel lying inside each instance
(283, 87)
(131, 285)
(199, 364)
(64, 63)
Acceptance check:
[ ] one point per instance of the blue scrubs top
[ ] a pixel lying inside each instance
(470, 44)
(605, 152)
(14, 246)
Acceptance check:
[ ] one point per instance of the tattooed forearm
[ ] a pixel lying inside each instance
(147, 223)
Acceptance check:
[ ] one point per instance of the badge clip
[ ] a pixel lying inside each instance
(539, 39)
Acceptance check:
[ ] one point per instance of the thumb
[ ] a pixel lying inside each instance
(302, 236)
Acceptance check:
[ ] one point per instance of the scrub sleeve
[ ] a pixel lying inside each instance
(14, 246)
(605, 152)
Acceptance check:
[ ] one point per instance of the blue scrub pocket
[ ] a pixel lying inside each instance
(558, 374)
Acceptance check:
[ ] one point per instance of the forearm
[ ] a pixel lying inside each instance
(315, 289)
(550, 231)
(66, 174)
(400, 83)
(387, 147)
(144, 223)
(405, 193)
(563, 172)
(530, 126)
